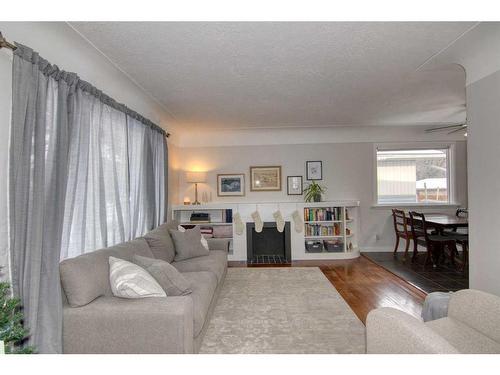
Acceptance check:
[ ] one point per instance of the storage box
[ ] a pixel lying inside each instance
(333, 246)
(314, 246)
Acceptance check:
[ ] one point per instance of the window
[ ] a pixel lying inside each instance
(413, 176)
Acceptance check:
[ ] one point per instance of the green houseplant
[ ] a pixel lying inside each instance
(313, 191)
(12, 332)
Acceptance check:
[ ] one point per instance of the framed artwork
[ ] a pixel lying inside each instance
(294, 185)
(230, 185)
(314, 170)
(265, 178)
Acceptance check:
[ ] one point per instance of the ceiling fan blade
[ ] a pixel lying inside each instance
(460, 126)
(464, 128)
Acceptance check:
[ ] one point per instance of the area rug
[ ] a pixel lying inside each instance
(282, 310)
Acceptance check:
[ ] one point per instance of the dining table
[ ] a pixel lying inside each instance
(445, 221)
(441, 222)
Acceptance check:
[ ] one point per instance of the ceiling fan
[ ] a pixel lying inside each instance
(450, 129)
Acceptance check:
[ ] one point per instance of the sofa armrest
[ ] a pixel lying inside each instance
(218, 244)
(118, 325)
(478, 310)
(391, 331)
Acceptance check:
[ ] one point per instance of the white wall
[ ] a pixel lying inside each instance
(478, 52)
(61, 45)
(348, 173)
(483, 110)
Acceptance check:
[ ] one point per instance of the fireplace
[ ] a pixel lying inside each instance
(268, 246)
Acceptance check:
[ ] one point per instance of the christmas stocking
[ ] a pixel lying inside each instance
(297, 220)
(238, 224)
(258, 221)
(280, 223)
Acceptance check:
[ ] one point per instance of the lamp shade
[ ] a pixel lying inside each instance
(195, 177)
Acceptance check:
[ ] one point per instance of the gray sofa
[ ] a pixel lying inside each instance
(472, 326)
(94, 321)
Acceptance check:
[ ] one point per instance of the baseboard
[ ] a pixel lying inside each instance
(375, 249)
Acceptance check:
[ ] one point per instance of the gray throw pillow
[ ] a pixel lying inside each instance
(188, 244)
(160, 242)
(171, 280)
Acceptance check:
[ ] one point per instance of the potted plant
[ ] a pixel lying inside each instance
(12, 333)
(313, 192)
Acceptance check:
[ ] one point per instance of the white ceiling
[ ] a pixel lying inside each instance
(267, 75)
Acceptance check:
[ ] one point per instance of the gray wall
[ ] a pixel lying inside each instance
(348, 173)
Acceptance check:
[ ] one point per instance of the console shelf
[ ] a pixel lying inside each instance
(220, 216)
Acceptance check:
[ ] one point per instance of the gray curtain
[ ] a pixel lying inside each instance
(85, 172)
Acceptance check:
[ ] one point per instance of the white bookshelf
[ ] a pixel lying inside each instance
(330, 230)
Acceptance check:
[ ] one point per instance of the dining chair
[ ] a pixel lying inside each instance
(401, 229)
(435, 243)
(462, 239)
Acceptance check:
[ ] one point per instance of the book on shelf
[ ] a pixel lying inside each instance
(229, 216)
(322, 213)
(200, 217)
(323, 230)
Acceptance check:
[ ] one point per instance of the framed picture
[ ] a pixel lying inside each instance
(294, 185)
(314, 170)
(265, 178)
(230, 185)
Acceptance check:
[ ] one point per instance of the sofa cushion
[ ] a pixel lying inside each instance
(215, 261)
(465, 339)
(188, 244)
(86, 277)
(129, 326)
(160, 241)
(128, 280)
(219, 244)
(170, 279)
(203, 285)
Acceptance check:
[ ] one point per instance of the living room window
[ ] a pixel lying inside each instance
(413, 176)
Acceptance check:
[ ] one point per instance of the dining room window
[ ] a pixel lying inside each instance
(413, 176)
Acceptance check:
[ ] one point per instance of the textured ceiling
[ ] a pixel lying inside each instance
(244, 75)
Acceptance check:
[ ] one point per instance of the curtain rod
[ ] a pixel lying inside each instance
(5, 44)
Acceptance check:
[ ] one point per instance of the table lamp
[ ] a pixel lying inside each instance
(196, 178)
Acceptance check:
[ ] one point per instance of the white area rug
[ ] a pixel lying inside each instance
(282, 310)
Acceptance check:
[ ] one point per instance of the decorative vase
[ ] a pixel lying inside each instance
(317, 198)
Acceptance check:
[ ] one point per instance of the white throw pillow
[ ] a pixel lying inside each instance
(203, 240)
(128, 280)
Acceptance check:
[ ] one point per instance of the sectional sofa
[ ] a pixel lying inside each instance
(94, 321)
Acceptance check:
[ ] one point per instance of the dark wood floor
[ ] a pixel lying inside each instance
(443, 278)
(364, 285)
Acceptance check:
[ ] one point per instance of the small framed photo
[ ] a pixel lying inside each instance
(314, 170)
(230, 185)
(265, 178)
(294, 185)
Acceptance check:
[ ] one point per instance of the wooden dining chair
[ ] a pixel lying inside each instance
(401, 229)
(435, 243)
(462, 239)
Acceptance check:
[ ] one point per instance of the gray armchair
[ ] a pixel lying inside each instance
(472, 326)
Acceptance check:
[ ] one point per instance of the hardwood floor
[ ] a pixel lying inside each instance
(364, 285)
